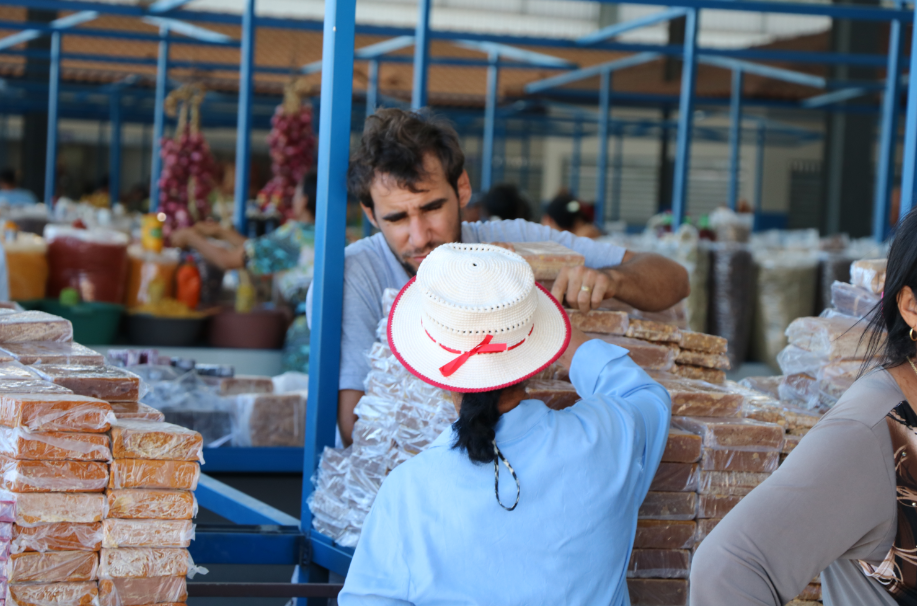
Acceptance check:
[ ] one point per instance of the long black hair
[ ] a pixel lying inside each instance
(476, 424)
(896, 347)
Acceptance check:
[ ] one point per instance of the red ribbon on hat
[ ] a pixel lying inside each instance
(483, 347)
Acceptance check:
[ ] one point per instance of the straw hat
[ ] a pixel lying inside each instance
(474, 319)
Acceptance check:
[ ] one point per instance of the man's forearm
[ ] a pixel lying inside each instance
(649, 282)
(217, 255)
(347, 402)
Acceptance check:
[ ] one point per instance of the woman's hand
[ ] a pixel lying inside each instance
(209, 229)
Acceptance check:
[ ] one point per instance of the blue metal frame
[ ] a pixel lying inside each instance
(909, 168)
(421, 55)
(490, 123)
(735, 137)
(619, 28)
(244, 131)
(53, 100)
(114, 150)
(159, 116)
(601, 179)
(759, 172)
(576, 157)
(888, 142)
(685, 121)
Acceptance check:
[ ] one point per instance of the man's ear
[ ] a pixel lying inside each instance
(464, 190)
(370, 214)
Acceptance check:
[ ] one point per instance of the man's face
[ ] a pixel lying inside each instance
(414, 223)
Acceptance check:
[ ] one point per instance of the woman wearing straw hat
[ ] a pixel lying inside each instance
(516, 503)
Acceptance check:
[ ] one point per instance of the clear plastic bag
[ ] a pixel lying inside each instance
(653, 331)
(715, 506)
(146, 562)
(599, 321)
(869, 274)
(147, 533)
(108, 383)
(34, 388)
(732, 483)
(246, 384)
(659, 564)
(18, 443)
(136, 411)
(269, 420)
(675, 477)
(27, 326)
(140, 592)
(699, 373)
(58, 594)
(36, 508)
(740, 460)
(646, 355)
(704, 528)
(147, 440)
(52, 567)
(656, 592)
(55, 412)
(736, 434)
(705, 360)
(62, 536)
(763, 385)
(682, 447)
(837, 377)
(794, 360)
(836, 338)
(53, 352)
(668, 506)
(703, 343)
(52, 476)
(694, 398)
(151, 504)
(16, 371)
(665, 534)
(853, 300)
(139, 473)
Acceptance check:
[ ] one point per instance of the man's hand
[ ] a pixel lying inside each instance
(209, 229)
(584, 288)
(182, 238)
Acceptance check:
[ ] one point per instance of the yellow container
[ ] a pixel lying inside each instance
(27, 263)
(151, 232)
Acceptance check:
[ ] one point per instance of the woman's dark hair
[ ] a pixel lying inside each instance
(477, 422)
(565, 210)
(506, 202)
(395, 142)
(896, 347)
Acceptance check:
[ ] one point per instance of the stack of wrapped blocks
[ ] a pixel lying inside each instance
(95, 506)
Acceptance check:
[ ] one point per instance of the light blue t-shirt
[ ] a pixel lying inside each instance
(370, 267)
(436, 535)
(17, 197)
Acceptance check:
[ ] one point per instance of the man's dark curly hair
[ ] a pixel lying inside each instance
(395, 142)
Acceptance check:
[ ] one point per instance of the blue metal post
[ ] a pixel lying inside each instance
(114, 151)
(602, 172)
(330, 223)
(759, 172)
(243, 129)
(53, 99)
(576, 157)
(526, 145)
(685, 121)
(421, 55)
(490, 124)
(888, 144)
(372, 87)
(618, 175)
(159, 115)
(735, 137)
(909, 167)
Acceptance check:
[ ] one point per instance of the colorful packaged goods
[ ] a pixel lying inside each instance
(55, 412)
(108, 383)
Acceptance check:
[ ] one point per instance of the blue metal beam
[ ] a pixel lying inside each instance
(56, 25)
(53, 100)
(618, 176)
(909, 166)
(253, 545)
(837, 96)
(601, 181)
(619, 28)
(159, 116)
(759, 172)
(372, 102)
(237, 506)
(164, 6)
(590, 72)
(192, 31)
(790, 8)
(114, 150)
(383, 48)
(421, 55)
(244, 131)
(490, 124)
(576, 157)
(888, 142)
(735, 137)
(330, 222)
(768, 71)
(685, 122)
(329, 555)
(519, 54)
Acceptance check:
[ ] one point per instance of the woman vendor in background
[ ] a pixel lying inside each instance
(287, 252)
(566, 213)
(843, 504)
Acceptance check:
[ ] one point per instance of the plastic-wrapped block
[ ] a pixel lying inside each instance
(737, 434)
(144, 562)
(704, 528)
(62, 536)
(53, 594)
(27, 326)
(19, 443)
(33, 387)
(740, 460)
(141, 473)
(653, 331)
(52, 476)
(795, 360)
(700, 342)
(715, 505)
(665, 534)
(675, 477)
(668, 506)
(53, 352)
(704, 360)
(34, 508)
(151, 504)
(240, 384)
(699, 373)
(765, 410)
(548, 258)
(600, 321)
(852, 300)
(658, 592)
(833, 267)
(269, 420)
(811, 593)
(836, 378)
(136, 411)
(648, 356)
(836, 338)
(869, 274)
(659, 564)
(108, 383)
(792, 441)
(692, 398)
(52, 567)
(800, 421)
(139, 592)
(732, 483)
(55, 412)
(212, 423)
(682, 447)
(15, 371)
(765, 385)
(556, 395)
(147, 533)
(146, 440)
(731, 303)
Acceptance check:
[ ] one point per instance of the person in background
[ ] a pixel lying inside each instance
(515, 503)
(10, 193)
(566, 213)
(100, 196)
(842, 505)
(409, 175)
(505, 202)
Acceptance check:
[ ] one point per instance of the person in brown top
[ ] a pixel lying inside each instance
(844, 504)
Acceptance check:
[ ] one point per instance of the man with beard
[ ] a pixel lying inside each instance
(409, 176)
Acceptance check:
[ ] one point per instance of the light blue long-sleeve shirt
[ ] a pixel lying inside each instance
(436, 534)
